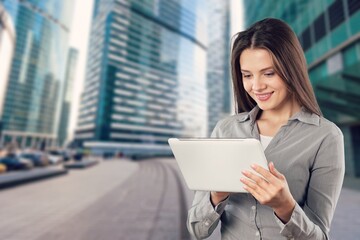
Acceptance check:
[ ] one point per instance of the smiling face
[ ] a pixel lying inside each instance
(261, 81)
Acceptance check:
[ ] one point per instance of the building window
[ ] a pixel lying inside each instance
(353, 6)
(320, 29)
(336, 14)
(335, 63)
(306, 39)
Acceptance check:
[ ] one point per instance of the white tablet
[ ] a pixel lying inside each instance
(216, 164)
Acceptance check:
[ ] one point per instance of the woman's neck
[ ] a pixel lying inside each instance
(270, 121)
(281, 115)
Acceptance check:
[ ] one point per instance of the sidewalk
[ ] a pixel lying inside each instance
(346, 221)
(45, 207)
(116, 198)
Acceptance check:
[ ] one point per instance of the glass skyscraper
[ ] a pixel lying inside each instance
(33, 97)
(329, 32)
(7, 46)
(67, 95)
(146, 76)
(219, 84)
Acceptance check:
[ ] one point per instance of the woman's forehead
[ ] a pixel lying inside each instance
(255, 60)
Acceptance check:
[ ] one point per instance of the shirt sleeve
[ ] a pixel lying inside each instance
(312, 221)
(203, 217)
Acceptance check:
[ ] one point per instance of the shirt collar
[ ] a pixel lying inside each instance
(306, 117)
(250, 115)
(303, 116)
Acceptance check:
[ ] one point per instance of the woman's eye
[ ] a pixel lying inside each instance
(270, 74)
(246, 76)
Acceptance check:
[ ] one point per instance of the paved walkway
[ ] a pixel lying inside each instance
(123, 200)
(35, 209)
(346, 222)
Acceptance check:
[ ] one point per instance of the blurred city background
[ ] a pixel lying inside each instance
(105, 83)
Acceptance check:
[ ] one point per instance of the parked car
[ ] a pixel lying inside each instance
(55, 157)
(37, 158)
(16, 163)
(78, 155)
(66, 155)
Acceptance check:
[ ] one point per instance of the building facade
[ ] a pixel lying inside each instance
(220, 96)
(329, 32)
(32, 102)
(146, 76)
(7, 46)
(67, 96)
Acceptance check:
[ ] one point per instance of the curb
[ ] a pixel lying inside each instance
(81, 164)
(11, 179)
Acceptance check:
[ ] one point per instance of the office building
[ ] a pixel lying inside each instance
(329, 32)
(67, 96)
(146, 76)
(7, 46)
(219, 84)
(32, 102)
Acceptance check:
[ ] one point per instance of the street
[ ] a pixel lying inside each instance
(121, 199)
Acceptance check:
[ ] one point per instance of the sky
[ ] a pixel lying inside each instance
(79, 38)
(237, 16)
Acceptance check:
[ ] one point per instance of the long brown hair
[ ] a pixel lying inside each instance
(280, 41)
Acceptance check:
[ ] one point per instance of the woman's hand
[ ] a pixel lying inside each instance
(271, 189)
(217, 197)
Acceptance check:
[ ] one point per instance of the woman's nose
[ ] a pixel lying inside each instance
(258, 84)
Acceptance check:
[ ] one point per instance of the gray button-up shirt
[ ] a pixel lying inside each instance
(309, 151)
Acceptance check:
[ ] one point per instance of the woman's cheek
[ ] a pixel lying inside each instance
(247, 86)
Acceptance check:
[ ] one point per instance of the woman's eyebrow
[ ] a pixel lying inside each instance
(264, 69)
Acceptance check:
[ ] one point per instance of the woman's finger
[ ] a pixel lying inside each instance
(274, 171)
(257, 179)
(259, 193)
(265, 173)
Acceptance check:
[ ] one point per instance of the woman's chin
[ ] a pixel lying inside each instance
(264, 106)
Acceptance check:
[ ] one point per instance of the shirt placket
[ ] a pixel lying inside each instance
(279, 135)
(254, 208)
(254, 218)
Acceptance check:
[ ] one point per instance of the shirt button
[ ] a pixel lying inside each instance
(207, 223)
(253, 207)
(257, 233)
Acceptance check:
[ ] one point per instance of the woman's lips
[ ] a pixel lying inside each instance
(263, 96)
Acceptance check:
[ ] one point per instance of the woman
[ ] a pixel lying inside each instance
(296, 197)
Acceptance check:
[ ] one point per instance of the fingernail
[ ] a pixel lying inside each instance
(253, 166)
(245, 172)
